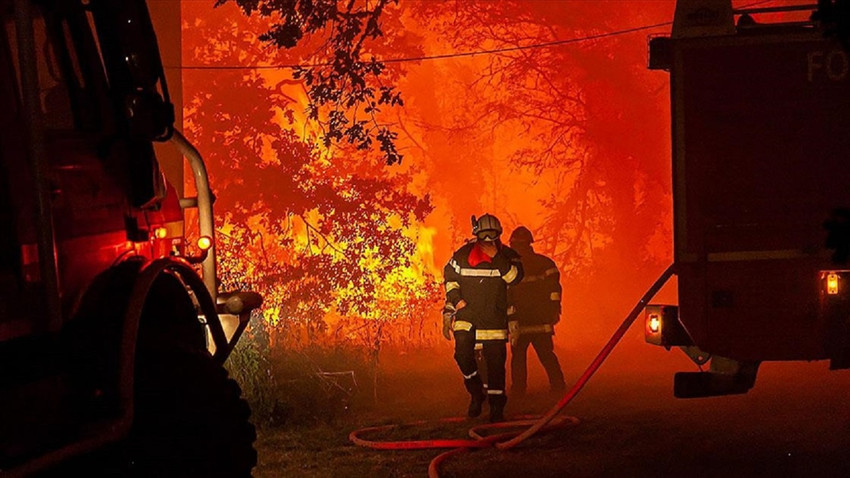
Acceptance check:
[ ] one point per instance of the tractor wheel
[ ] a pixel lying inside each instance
(189, 419)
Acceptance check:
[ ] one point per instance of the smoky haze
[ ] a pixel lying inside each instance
(572, 141)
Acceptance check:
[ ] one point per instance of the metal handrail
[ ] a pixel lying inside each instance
(204, 203)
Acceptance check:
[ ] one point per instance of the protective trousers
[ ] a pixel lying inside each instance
(545, 351)
(482, 364)
(495, 354)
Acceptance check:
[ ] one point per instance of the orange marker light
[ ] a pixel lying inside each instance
(832, 283)
(160, 233)
(204, 243)
(654, 323)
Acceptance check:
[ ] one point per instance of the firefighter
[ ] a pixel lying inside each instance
(535, 308)
(476, 280)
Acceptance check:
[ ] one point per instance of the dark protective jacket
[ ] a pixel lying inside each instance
(536, 301)
(483, 286)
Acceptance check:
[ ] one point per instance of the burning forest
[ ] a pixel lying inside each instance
(350, 144)
(569, 140)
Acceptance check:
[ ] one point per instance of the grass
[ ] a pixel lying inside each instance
(313, 441)
(413, 387)
(794, 423)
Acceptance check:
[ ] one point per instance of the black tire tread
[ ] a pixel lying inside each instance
(190, 419)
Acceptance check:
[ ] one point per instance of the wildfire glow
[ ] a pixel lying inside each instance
(570, 141)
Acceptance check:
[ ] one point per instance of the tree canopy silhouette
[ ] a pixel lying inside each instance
(343, 75)
(581, 113)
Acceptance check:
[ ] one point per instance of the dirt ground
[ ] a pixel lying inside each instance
(795, 422)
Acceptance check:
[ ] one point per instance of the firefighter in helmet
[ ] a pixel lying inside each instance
(534, 309)
(476, 280)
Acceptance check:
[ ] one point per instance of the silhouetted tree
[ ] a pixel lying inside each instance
(343, 75)
(589, 115)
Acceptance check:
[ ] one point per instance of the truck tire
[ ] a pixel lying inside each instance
(189, 419)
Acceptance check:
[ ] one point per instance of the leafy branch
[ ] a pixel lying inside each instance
(345, 80)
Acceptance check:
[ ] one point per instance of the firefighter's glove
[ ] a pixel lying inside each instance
(448, 316)
(513, 331)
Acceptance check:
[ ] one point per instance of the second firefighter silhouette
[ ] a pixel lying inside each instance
(535, 308)
(477, 279)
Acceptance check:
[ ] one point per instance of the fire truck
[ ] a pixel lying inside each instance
(761, 205)
(113, 332)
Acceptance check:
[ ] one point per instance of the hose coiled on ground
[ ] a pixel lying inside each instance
(504, 441)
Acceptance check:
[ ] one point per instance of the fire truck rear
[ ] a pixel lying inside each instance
(111, 341)
(761, 134)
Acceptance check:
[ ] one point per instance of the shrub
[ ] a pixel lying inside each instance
(319, 384)
(250, 365)
(313, 384)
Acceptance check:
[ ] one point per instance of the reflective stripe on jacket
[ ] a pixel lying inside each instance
(483, 287)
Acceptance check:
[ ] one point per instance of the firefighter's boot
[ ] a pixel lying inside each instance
(476, 390)
(497, 408)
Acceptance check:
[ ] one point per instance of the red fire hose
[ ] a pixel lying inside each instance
(512, 439)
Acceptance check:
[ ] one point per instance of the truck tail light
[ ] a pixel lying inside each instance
(653, 323)
(832, 283)
(662, 326)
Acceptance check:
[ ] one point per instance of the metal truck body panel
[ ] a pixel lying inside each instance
(761, 127)
(100, 304)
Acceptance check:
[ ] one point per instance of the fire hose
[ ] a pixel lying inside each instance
(507, 440)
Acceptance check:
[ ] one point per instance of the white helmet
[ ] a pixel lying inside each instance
(487, 227)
